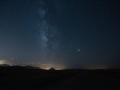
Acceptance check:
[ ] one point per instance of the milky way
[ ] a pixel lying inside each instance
(48, 35)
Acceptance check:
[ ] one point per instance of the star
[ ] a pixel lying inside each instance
(78, 50)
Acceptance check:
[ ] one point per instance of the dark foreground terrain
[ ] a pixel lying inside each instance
(28, 78)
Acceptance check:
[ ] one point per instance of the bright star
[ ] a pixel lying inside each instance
(78, 50)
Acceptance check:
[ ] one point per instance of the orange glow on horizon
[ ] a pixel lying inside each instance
(49, 66)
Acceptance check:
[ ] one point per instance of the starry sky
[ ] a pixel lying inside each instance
(71, 32)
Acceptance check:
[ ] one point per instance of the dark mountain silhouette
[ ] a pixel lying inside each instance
(52, 69)
(33, 78)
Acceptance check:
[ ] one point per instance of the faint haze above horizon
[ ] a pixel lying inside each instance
(67, 33)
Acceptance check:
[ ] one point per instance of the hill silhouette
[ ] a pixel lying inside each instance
(33, 78)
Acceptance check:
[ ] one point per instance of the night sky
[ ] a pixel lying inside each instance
(71, 32)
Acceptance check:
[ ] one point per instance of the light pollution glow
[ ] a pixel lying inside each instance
(41, 66)
(49, 66)
(2, 62)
